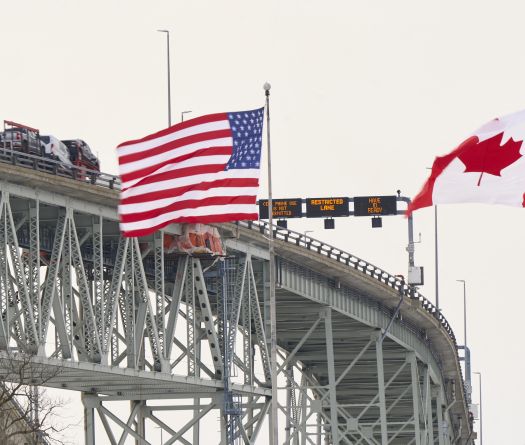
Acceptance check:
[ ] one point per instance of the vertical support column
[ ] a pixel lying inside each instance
(5, 329)
(196, 400)
(138, 406)
(415, 395)
(266, 306)
(428, 408)
(34, 266)
(381, 390)
(98, 280)
(89, 418)
(267, 325)
(439, 413)
(159, 298)
(190, 320)
(304, 398)
(127, 301)
(319, 429)
(289, 390)
(224, 426)
(331, 376)
(248, 352)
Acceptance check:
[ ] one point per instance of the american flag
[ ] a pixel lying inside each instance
(200, 171)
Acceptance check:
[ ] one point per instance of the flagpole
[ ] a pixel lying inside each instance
(169, 75)
(436, 255)
(274, 435)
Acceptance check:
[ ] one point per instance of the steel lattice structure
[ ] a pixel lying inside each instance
(121, 320)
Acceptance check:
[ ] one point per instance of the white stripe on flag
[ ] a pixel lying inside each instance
(152, 143)
(223, 209)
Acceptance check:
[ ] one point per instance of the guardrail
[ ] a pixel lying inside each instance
(47, 165)
(348, 259)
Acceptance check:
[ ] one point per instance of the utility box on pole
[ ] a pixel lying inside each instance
(415, 276)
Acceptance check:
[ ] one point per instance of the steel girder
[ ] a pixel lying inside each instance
(116, 314)
(74, 292)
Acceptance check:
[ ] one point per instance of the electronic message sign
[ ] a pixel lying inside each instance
(281, 208)
(375, 205)
(326, 207)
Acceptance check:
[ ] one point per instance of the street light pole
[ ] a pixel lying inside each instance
(480, 411)
(464, 310)
(305, 232)
(183, 113)
(169, 76)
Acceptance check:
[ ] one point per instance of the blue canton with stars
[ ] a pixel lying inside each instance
(246, 129)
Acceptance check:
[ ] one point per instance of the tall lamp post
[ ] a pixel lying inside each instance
(468, 379)
(183, 113)
(480, 411)
(305, 232)
(169, 76)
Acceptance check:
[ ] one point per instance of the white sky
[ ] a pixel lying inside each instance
(364, 95)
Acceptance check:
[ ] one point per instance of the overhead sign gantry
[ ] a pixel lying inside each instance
(331, 207)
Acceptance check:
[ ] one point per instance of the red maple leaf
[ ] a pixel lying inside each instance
(488, 156)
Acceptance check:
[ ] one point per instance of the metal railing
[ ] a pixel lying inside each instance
(8, 155)
(395, 282)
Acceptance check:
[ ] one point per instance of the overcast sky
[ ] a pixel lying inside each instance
(364, 96)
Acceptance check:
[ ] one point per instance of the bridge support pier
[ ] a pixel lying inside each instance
(381, 390)
(334, 418)
(89, 419)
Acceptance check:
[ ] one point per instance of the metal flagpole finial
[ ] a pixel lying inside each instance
(267, 88)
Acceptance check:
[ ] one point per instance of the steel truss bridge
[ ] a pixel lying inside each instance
(181, 344)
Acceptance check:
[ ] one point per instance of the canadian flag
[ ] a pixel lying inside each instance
(488, 167)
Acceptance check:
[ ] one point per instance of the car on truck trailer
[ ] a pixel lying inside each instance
(55, 149)
(21, 138)
(83, 158)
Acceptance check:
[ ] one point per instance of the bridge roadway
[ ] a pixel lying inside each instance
(342, 379)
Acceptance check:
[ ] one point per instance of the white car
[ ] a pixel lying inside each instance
(54, 148)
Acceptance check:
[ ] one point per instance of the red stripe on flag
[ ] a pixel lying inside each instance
(177, 191)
